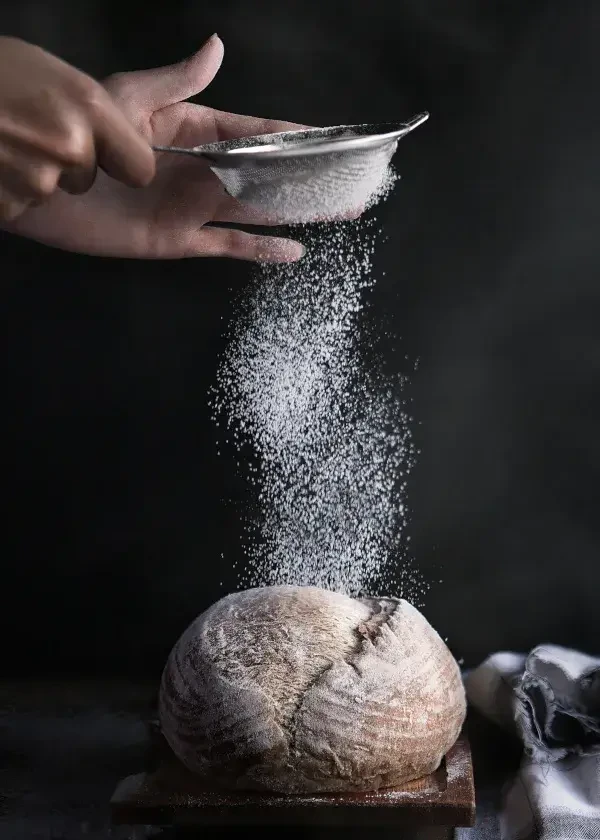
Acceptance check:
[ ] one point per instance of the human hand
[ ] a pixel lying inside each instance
(169, 218)
(56, 126)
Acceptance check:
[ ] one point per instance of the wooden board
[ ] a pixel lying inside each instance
(172, 796)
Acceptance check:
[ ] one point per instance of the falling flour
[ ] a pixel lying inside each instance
(321, 428)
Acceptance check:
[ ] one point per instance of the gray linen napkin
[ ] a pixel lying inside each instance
(551, 700)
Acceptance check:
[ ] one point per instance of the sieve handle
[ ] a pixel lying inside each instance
(179, 150)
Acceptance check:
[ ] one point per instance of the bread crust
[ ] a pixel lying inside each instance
(302, 690)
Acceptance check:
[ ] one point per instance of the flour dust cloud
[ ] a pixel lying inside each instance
(321, 429)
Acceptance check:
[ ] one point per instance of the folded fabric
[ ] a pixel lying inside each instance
(550, 699)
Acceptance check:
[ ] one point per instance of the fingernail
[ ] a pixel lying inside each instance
(214, 37)
(294, 251)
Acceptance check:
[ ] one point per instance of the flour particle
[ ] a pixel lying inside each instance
(322, 429)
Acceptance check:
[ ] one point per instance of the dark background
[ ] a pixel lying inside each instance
(114, 517)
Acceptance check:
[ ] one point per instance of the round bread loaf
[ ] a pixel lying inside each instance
(300, 690)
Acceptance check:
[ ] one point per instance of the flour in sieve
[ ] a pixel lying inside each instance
(337, 187)
(324, 431)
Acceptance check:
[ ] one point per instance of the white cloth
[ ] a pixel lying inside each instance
(550, 699)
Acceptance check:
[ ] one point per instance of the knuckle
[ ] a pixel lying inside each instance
(11, 210)
(73, 143)
(242, 244)
(43, 181)
(230, 242)
(89, 92)
(91, 98)
(226, 243)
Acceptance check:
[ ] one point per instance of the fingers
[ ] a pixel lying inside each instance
(24, 180)
(78, 180)
(232, 211)
(74, 147)
(125, 156)
(76, 134)
(239, 245)
(151, 90)
(11, 205)
(33, 153)
(88, 130)
(231, 126)
(61, 121)
(120, 150)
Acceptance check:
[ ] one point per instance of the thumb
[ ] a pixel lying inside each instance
(163, 86)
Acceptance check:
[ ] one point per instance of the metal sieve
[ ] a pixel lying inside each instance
(300, 176)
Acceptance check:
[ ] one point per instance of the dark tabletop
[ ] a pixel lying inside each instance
(64, 747)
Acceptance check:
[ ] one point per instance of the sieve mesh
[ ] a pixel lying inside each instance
(307, 175)
(295, 190)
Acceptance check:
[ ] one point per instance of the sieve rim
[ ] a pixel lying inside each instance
(244, 152)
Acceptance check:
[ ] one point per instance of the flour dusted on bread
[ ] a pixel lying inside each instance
(303, 690)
